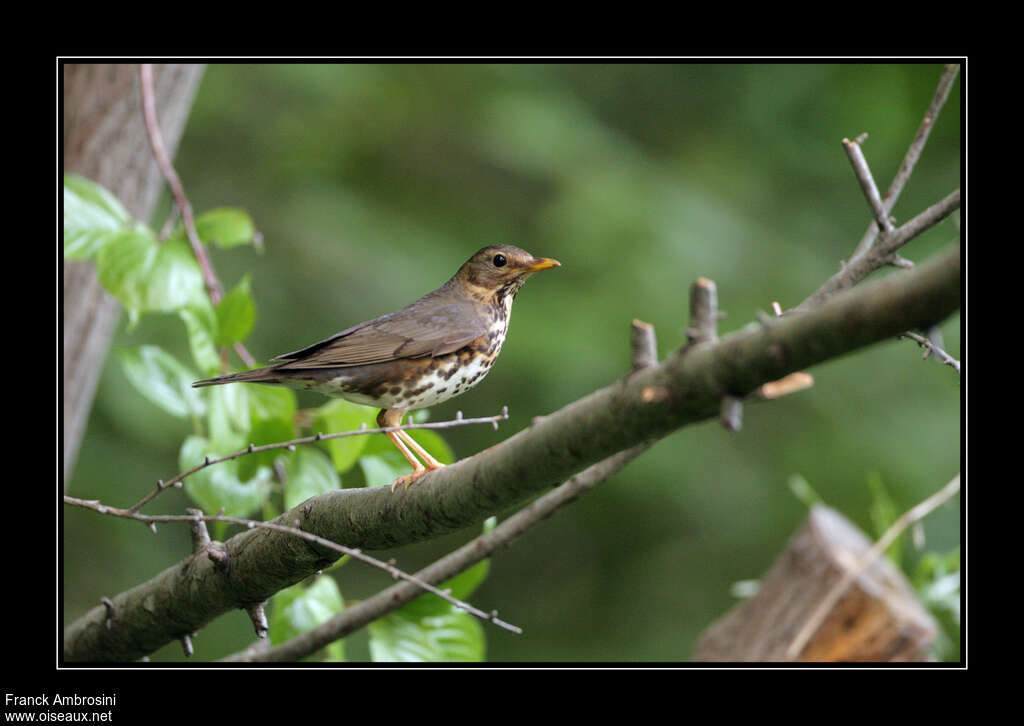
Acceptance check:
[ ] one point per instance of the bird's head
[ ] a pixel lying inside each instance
(500, 270)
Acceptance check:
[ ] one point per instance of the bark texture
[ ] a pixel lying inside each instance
(877, 618)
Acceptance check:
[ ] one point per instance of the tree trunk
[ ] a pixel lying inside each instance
(105, 140)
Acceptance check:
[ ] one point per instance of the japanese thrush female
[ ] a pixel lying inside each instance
(429, 351)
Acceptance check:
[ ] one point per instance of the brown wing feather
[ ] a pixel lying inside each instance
(413, 332)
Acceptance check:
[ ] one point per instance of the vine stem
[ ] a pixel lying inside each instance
(163, 160)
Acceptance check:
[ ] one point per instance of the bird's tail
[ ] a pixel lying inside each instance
(256, 375)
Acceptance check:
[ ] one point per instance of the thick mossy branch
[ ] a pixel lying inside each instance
(643, 406)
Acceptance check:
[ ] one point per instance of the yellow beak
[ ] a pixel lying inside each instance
(542, 263)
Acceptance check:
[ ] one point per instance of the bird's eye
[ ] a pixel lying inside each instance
(499, 261)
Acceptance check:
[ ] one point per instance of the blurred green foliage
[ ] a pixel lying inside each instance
(372, 183)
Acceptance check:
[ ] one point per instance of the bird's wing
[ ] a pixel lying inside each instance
(413, 332)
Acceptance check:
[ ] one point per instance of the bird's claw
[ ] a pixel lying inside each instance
(407, 480)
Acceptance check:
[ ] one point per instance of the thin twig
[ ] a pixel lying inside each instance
(731, 412)
(949, 74)
(931, 348)
(644, 345)
(912, 515)
(251, 449)
(244, 354)
(258, 616)
(168, 227)
(867, 257)
(703, 328)
(704, 313)
(882, 254)
(111, 611)
(355, 553)
(867, 184)
(197, 528)
(163, 160)
(923, 221)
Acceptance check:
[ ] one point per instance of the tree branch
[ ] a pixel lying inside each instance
(930, 348)
(688, 389)
(871, 252)
(197, 519)
(867, 184)
(880, 255)
(645, 355)
(482, 547)
(949, 74)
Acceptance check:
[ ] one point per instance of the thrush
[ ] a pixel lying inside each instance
(431, 350)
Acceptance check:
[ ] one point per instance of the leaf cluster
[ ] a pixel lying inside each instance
(149, 275)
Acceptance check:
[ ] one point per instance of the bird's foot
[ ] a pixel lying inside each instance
(406, 480)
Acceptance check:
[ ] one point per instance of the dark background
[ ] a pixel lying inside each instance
(372, 183)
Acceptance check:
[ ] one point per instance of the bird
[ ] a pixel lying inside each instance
(433, 349)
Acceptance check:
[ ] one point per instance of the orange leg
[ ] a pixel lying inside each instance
(393, 417)
(429, 460)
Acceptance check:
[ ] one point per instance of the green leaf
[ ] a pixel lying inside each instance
(937, 581)
(228, 413)
(452, 637)
(97, 197)
(884, 513)
(123, 265)
(201, 328)
(219, 486)
(240, 415)
(92, 215)
(419, 415)
(383, 469)
(236, 314)
(271, 402)
(803, 491)
(158, 376)
(175, 279)
(238, 409)
(299, 608)
(340, 415)
(433, 442)
(265, 431)
(461, 586)
(225, 227)
(309, 473)
(742, 589)
(148, 277)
